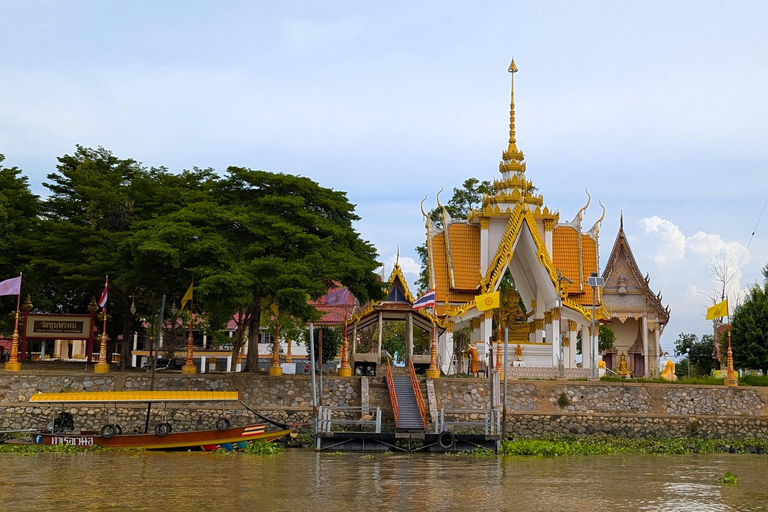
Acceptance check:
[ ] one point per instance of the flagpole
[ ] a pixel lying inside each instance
(13, 364)
(499, 366)
(103, 366)
(189, 366)
(731, 379)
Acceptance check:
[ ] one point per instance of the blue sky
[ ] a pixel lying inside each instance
(658, 108)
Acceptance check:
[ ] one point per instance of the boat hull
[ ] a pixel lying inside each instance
(208, 440)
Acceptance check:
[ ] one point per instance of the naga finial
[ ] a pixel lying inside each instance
(580, 215)
(422, 206)
(438, 198)
(596, 226)
(397, 260)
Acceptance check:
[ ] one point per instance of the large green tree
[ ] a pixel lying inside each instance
(697, 353)
(18, 223)
(749, 335)
(257, 238)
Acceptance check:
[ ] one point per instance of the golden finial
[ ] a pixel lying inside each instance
(512, 140)
(438, 197)
(580, 215)
(422, 206)
(397, 260)
(596, 226)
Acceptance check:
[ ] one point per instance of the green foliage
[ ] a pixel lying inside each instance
(729, 478)
(753, 380)
(478, 452)
(605, 339)
(749, 336)
(333, 337)
(555, 446)
(264, 448)
(34, 449)
(700, 355)
(563, 400)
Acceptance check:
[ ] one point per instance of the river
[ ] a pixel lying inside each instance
(303, 480)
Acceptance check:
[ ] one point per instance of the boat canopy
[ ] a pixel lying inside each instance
(134, 396)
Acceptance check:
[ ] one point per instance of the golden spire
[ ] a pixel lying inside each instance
(512, 142)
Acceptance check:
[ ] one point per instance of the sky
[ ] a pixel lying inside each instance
(657, 108)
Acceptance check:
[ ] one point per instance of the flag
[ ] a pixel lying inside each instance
(103, 298)
(11, 286)
(428, 299)
(187, 296)
(718, 310)
(337, 296)
(274, 309)
(487, 301)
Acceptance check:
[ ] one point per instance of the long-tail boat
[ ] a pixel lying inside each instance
(223, 436)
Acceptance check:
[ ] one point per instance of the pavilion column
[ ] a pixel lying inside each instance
(556, 338)
(656, 336)
(572, 335)
(484, 223)
(549, 333)
(586, 347)
(354, 347)
(531, 331)
(549, 226)
(409, 337)
(645, 346)
(539, 326)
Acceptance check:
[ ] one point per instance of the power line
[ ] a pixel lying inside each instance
(750, 240)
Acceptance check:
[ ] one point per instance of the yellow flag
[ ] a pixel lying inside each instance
(487, 301)
(718, 310)
(274, 309)
(187, 296)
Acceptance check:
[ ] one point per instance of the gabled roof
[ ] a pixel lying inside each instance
(625, 287)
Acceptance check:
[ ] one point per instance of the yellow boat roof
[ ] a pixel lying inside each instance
(134, 396)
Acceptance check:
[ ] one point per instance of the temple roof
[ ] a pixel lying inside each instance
(626, 290)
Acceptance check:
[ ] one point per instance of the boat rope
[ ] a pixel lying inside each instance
(276, 423)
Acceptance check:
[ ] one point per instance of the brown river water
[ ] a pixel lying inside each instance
(303, 480)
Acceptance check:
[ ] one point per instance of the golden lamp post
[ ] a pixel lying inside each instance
(103, 365)
(275, 370)
(13, 364)
(731, 379)
(433, 372)
(189, 366)
(345, 370)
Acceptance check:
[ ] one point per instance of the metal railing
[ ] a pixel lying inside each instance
(392, 393)
(326, 420)
(491, 422)
(417, 393)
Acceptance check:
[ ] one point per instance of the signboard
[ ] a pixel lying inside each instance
(71, 327)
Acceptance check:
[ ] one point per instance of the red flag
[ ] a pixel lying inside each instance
(104, 294)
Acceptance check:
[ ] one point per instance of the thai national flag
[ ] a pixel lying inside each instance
(428, 299)
(103, 299)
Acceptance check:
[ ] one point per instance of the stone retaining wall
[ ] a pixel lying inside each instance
(535, 407)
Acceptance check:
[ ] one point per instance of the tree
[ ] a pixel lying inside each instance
(332, 340)
(255, 238)
(749, 330)
(698, 353)
(605, 339)
(465, 198)
(18, 221)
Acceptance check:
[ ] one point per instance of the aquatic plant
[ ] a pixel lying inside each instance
(729, 478)
(263, 448)
(555, 446)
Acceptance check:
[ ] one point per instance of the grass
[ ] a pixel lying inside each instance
(748, 380)
(729, 478)
(604, 445)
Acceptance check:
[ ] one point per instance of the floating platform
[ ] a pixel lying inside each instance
(404, 442)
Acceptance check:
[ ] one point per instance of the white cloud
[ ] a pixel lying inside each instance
(679, 266)
(671, 240)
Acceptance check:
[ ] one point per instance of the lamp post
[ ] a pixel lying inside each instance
(688, 356)
(594, 281)
(561, 362)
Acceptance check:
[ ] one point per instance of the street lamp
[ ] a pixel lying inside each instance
(594, 281)
(688, 356)
(561, 363)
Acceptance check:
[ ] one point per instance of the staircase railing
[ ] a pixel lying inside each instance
(417, 393)
(392, 393)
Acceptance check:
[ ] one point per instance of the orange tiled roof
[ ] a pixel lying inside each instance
(565, 255)
(465, 255)
(589, 265)
(440, 268)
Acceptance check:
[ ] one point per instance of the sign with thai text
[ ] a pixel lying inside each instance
(72, 440)
(59, 326)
